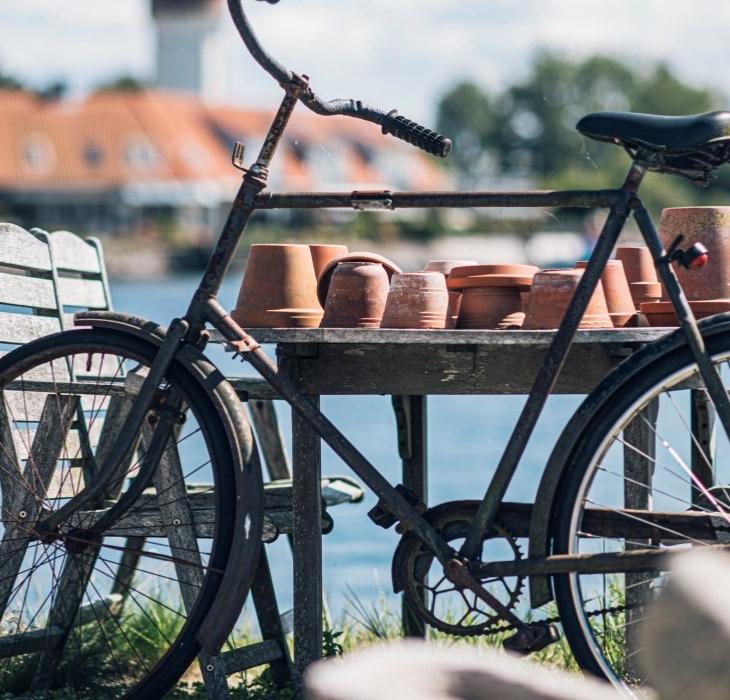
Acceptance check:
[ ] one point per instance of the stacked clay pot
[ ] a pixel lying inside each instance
(711, 227)
(616, 290)
(445, 267)
(707, 289)
(640, 273)
(323, 254)
(416, 300)
(491, 295)
(325, 276)
(279, 288)
(552, 291)
(356, 296)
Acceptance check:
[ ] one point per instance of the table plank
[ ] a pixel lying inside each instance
(389, 336)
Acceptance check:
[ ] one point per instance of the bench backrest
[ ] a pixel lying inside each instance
(44, 280)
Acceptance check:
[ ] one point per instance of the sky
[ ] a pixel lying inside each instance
(391, 53)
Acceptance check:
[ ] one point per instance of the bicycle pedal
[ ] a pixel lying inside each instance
(532, 638)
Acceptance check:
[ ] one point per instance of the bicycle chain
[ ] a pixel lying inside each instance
(509, 627)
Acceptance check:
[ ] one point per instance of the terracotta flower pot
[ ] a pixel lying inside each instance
(326, 275)
(416, 300)
(711, 227)
(491, 307)
(661, 313)
(445, 266)
(323, 254)
(463, 277)
(642, 292)
(616, 289)
(640, 273)
(550, 295)
(637, 262)
(356, 297)
(279, 288)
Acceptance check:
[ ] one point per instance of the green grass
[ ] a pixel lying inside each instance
(362, 624)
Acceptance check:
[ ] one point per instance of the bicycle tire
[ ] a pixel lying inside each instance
(196, 595)
(657, 387)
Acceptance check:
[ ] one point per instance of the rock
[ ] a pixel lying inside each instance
(686, 639)
(414, 670)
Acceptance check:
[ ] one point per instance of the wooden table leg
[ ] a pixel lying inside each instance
(411, 415)
(638, 472)
(307, 520)
(703, 444)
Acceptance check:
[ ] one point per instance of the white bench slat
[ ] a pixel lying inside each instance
(73, 253)
(88, 294)
(20, 248)
(26, 408)
(20, 329)
(22, 290)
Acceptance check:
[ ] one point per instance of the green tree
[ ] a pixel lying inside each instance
(529, 128)
(466, 115)
(8, 82)
(126, 83)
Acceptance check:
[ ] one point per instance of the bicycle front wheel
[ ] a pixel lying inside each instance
(103, 613)
(644, 465)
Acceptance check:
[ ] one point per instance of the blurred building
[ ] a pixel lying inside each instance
(118, 161)
(127, 160)
(191, 47)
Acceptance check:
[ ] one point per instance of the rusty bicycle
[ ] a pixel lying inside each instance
(618, 497)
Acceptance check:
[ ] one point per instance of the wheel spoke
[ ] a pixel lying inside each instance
(62, 411)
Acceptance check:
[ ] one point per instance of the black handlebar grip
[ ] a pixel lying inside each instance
(416, 135)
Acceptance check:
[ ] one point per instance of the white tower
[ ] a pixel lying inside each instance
(191, 47)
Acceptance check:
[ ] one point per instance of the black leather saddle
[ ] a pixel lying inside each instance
(692, 146)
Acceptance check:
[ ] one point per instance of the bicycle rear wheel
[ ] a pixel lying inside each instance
(106, 613)
(646, 457)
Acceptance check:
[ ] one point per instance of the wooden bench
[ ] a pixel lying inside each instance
(44, 279)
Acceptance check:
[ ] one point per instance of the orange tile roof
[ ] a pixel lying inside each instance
(113, 139)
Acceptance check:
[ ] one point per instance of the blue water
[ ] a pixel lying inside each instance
(466, 437)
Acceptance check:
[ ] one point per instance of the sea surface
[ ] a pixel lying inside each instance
(466, 437)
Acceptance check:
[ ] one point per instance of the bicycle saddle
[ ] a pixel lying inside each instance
(691, 146)
(656, 132)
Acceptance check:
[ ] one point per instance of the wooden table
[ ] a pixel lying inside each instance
(408, 365)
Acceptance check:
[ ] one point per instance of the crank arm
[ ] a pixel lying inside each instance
(458, 573)
(609, 563)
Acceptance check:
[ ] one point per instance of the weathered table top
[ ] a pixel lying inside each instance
(384, 361)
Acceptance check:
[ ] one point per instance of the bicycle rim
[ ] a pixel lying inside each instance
(639, 454)
(94, 612)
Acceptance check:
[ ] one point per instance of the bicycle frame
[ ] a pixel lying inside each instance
(461, 567)
(204, 309)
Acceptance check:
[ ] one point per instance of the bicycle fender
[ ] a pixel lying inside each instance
(548, 492)
(248, 523)
(125, 323)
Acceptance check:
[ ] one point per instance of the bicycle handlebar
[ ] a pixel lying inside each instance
(391, 122)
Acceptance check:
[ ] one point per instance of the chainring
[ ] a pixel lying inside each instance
(437, 600)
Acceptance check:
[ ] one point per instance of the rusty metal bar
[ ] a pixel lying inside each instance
(385, 199)
(614, 562)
